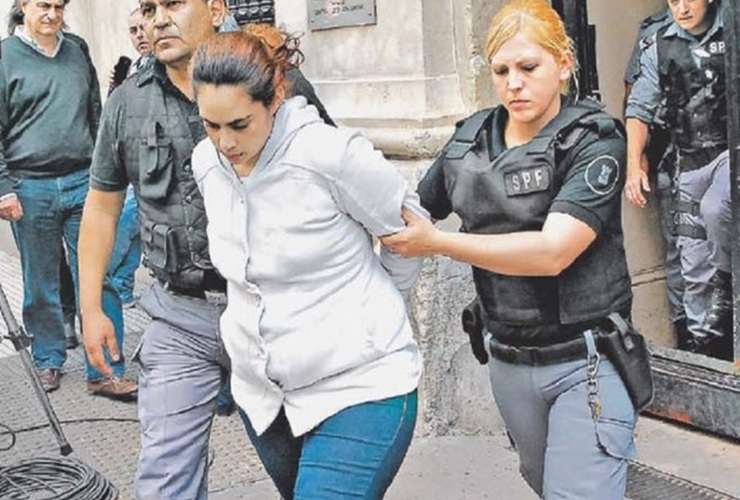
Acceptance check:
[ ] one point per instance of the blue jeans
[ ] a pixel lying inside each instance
(353, 454)
(52, 209)
(127, 250)
(67, 291)
(225, 404)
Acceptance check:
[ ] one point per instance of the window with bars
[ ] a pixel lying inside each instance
(252, 11)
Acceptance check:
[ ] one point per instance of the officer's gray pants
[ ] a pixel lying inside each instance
(181, 357)
(709, 187)
(674, 278)
(563, 452)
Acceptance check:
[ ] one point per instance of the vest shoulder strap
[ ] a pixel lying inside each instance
(566, 128)
(658, 17)
(569, 124)
(467, 132)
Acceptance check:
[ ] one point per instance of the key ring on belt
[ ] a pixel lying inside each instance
(592, 371)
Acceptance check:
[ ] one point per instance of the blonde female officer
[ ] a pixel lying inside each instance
(537, 182)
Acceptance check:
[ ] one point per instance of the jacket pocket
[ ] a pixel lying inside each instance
(156, 163)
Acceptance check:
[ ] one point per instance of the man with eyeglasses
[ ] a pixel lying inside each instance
(49, 115)
(681, 86)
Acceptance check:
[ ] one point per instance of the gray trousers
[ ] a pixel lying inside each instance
(673, 275)
(709, 188)
(564, 453)
(181, 358)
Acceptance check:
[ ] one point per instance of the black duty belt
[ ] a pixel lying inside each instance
(540, 355)
(215, 295)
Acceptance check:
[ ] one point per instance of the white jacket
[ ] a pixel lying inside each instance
(315, 319)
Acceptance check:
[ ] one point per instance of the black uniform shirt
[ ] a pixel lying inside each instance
(590, 184)
(108, 171)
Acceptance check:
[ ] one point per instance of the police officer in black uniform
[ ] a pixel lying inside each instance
(661, 176)
(537, 185)
(682, 85)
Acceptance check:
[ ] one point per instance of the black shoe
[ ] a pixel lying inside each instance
(719, 313)
(683, 336)
(70, 336)
(699, 345)
(722, 348)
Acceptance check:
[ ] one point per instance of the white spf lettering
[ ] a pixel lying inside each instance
(538, 177)
(527, 178)
(717, 48)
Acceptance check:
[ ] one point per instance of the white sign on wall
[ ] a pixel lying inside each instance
(327, 14)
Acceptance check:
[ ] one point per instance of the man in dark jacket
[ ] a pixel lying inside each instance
(49, 115)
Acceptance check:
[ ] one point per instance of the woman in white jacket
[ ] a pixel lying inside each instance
(324, 365)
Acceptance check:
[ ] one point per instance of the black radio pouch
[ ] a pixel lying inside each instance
(472, 323)
(626, 349)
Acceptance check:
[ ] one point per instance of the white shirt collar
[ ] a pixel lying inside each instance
(20, 32)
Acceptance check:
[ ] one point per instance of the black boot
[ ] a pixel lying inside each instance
(719, 313)
(700, 345)
(722, 347)
(683, 336)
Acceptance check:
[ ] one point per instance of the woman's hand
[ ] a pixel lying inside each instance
(416, 240)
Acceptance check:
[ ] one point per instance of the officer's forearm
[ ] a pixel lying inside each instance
(527, 253)
(638, 135)
(97, 235)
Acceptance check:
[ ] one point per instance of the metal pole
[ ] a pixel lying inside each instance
(575, 17)
(21, 341)
(732, 58)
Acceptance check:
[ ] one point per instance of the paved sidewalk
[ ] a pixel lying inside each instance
(483, 467)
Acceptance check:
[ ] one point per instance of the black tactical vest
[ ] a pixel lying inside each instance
(513, 192)
(159, 140)
(694, 100)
